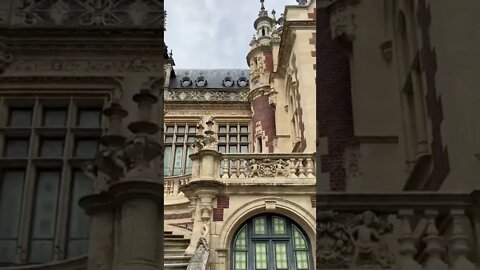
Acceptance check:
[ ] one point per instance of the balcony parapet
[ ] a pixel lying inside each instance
(172, 184)
(408, 230)
(275, 165)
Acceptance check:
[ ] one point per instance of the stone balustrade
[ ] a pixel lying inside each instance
(414, 230)
(173, 184)
(291, 165)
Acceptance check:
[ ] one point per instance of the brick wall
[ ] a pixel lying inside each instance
(222, 203)
(265, 113)
(268, 64)
(334, 103)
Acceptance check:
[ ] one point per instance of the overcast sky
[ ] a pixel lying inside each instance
(213, 33)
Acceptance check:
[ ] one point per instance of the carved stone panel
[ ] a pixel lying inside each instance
(206, 95)
(349, 240)
(86, 13)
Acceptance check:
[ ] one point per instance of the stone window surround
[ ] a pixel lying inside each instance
(67, 163)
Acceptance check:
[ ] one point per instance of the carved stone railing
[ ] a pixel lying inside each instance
(415, 230)
(172, 184)
(288, 165)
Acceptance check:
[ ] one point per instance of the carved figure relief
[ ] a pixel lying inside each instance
(267, 168)
(349, 240)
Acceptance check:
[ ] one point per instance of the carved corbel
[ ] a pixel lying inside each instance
(342, 20)
(6, 58)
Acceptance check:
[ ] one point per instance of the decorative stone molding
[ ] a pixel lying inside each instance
(6, 58)
(351, 161)
(342, 19)
(386, 50)
(87, 14)
(84, 65)
(206, 95)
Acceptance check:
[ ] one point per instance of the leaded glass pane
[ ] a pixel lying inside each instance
(11, 203)
(222, 138)
(167, 160)
(191, 139)
(20, 117)
(299, 240)
(261, 256)
(79, 221)
(222, 148)
(240, 260)
(89, 117)
(169, 139)
(302, 260)
(222, 129)
(192, 129)
(17, 147)
(178, 160)
(170, 129)
(278, 225)
(188, 162)
(281, 255)
(54, 117)
(259, 225)
(180, 139)
(244, 138)
(77, 248)
(244, 129)
(244, 149)
(52, 147)
(8, 250)
(181, 129)
(86, 148)
(45, 206)
(241, 242)
(233, 138)
(232, 149)
(41, 251)
(233, 129)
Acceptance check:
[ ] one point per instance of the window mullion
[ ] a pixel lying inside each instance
(28, 192)
(64, 196)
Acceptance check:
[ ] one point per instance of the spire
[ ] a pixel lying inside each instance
(263, 12)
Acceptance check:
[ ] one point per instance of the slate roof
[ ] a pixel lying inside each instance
(210, 78)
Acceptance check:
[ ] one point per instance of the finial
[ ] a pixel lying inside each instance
(273, 15)
(263, 7)
(171, 53)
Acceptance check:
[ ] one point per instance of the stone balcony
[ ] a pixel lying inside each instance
(252, 169)
(414, 230)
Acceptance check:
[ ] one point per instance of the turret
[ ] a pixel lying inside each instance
(260, 61)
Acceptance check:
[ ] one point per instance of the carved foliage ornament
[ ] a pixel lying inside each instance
(206, 95)
(90, 13)
(353, 240)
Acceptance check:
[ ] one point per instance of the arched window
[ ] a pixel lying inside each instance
(270, 242)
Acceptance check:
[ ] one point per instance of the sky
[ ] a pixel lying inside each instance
(209, 34)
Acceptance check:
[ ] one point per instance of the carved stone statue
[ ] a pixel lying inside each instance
(253, 168)
(199, 259)
(370, 248)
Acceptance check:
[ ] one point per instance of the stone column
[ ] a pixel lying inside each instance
(101, 244)
(140, 194)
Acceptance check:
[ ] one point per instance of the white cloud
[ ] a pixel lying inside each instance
(213, 33)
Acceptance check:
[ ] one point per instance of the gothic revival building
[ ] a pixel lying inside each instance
(248, 186)
(81, 130)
